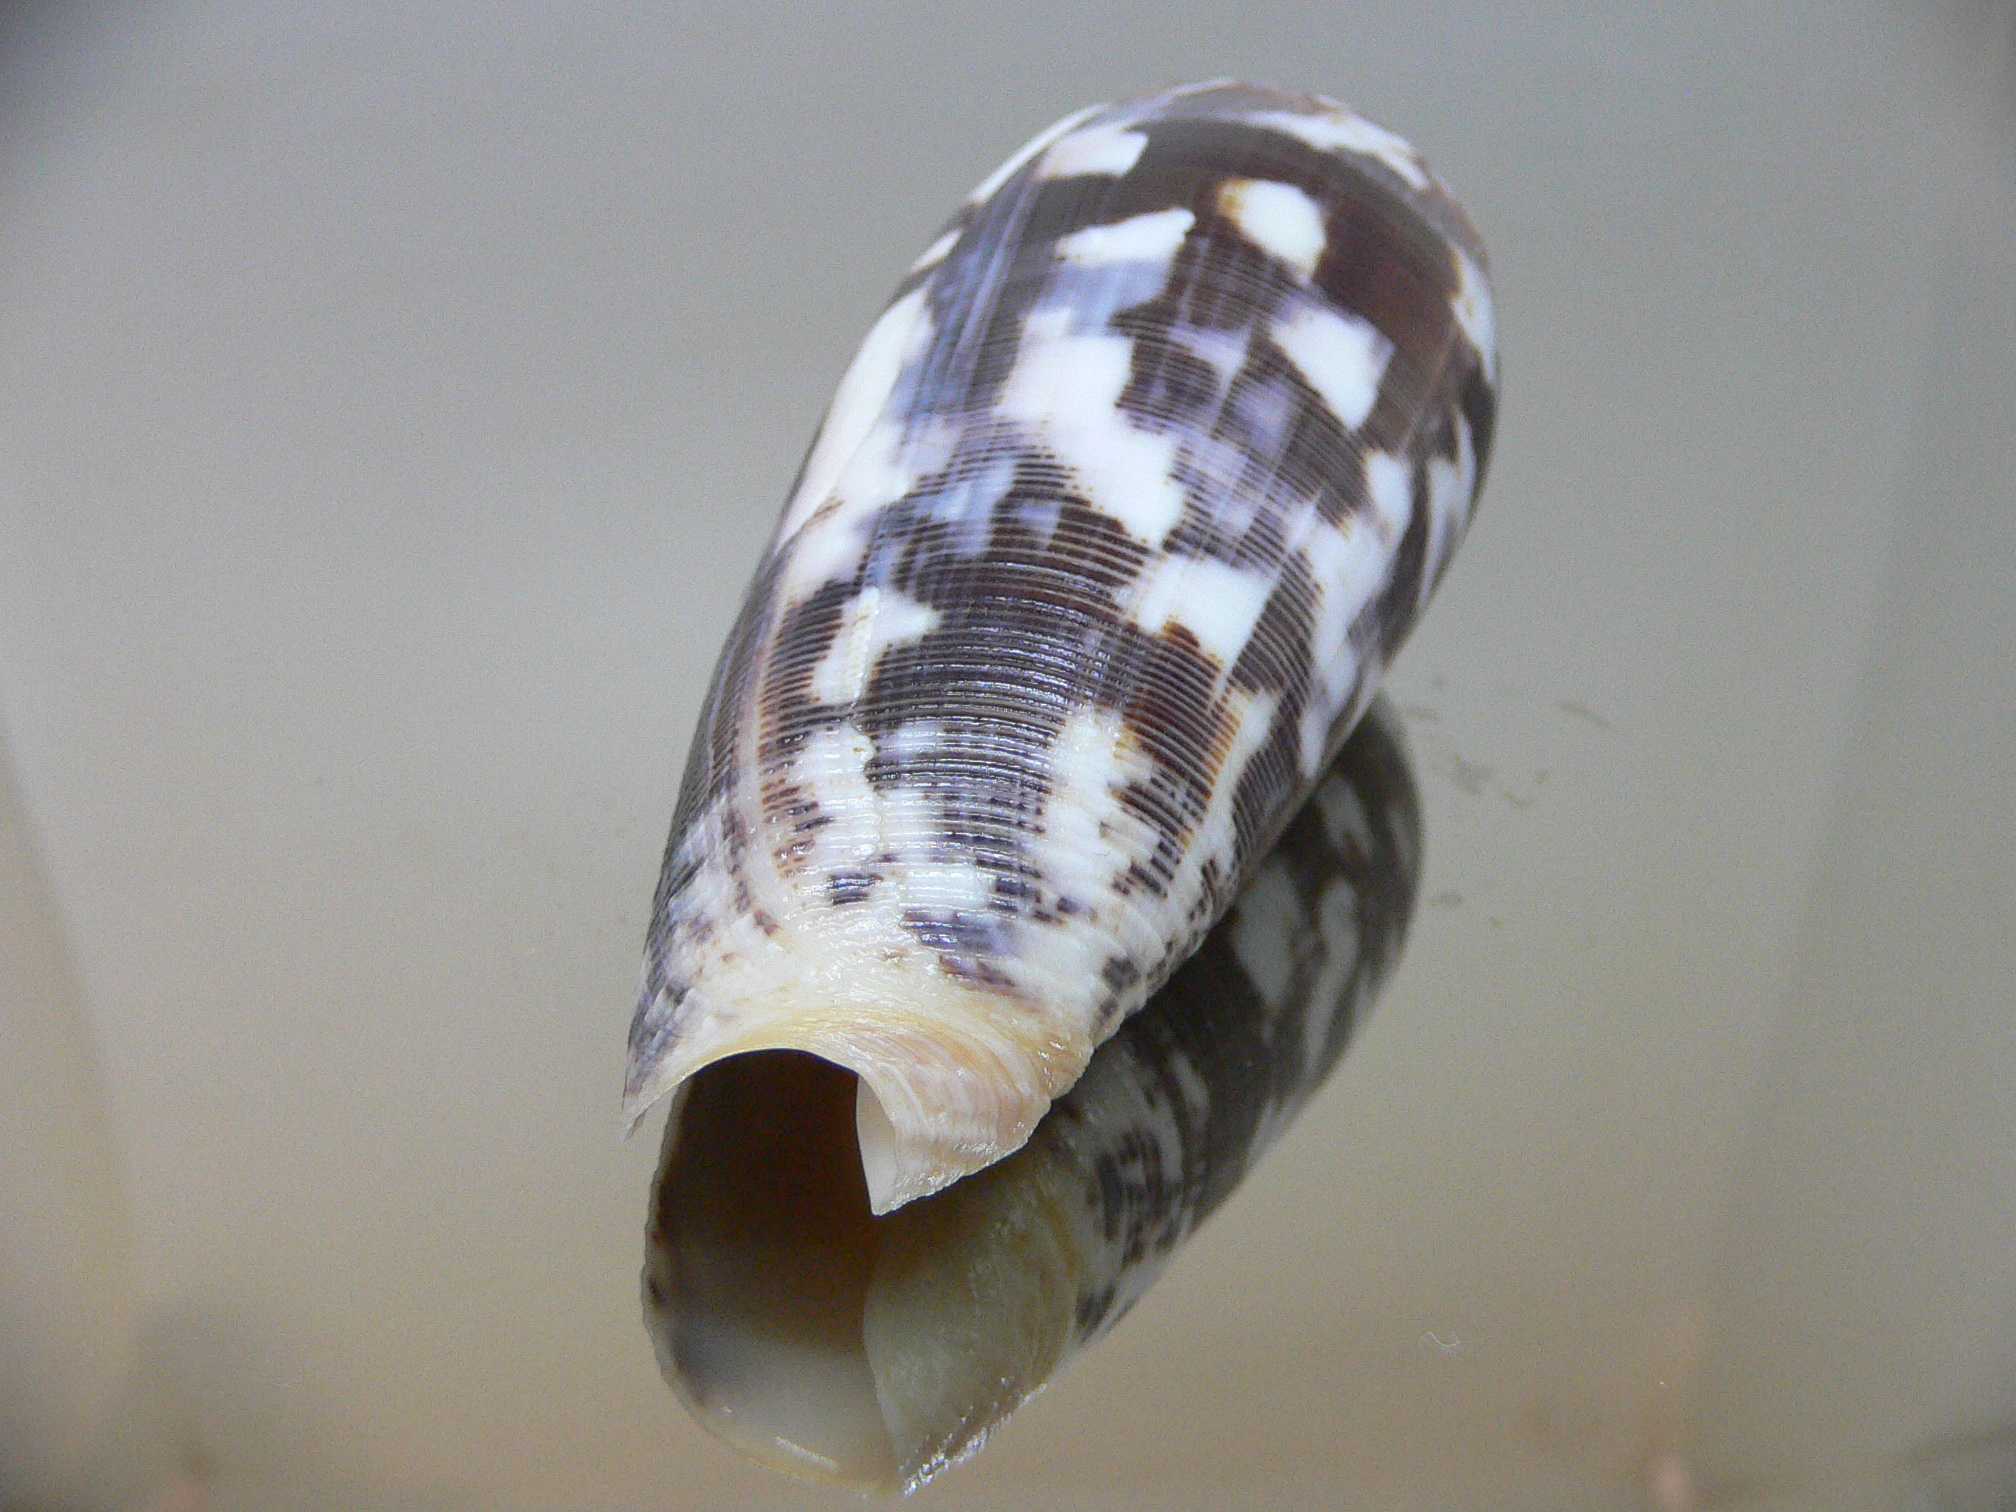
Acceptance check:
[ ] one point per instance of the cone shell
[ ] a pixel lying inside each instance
(1115, 520)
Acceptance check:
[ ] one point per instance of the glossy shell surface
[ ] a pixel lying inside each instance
(1132, 491)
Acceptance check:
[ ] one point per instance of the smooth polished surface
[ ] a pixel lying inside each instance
(394, 402)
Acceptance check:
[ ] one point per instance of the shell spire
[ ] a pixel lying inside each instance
(1112, 526)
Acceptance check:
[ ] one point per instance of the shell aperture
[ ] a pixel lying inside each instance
(875, 1352)
(1115, 520)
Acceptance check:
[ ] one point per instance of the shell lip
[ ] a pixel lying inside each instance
(651, 1040)
(950, 1079)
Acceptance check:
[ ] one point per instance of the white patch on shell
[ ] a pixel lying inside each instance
(1279, 219)
(1215, 837)
(830, 551)
(986, 188)
(1343, 357)
(934, 254)
(1225, 351)
(1389, 483)
(1089, 837)
(874, 620)
(1348, 566)
(901, 332)
(1107, 150)
(964, 506)
(866, 823)
(912, 739)
(1342, 130)
(886, 466)
(1451, 487)
(1471, 304)
(833, 769)
(1066, 389)
(930, 885)
(1217, 602)
(1154, 237)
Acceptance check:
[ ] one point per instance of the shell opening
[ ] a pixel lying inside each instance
(813, 1335)
(768, 1250)
(951, 1080)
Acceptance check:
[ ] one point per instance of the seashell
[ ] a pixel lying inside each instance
(1114, 522)
(876, 1352)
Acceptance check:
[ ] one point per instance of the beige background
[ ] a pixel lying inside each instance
(393, 399)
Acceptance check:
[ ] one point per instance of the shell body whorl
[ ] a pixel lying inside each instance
(1133, 489)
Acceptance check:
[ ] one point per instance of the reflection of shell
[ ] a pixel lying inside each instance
(877, 1351)
(1113, 524)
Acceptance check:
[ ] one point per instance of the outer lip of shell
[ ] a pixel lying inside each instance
(951, 1078)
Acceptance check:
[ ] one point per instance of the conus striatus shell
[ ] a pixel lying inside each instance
(1115, 520)
(874, 1352)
